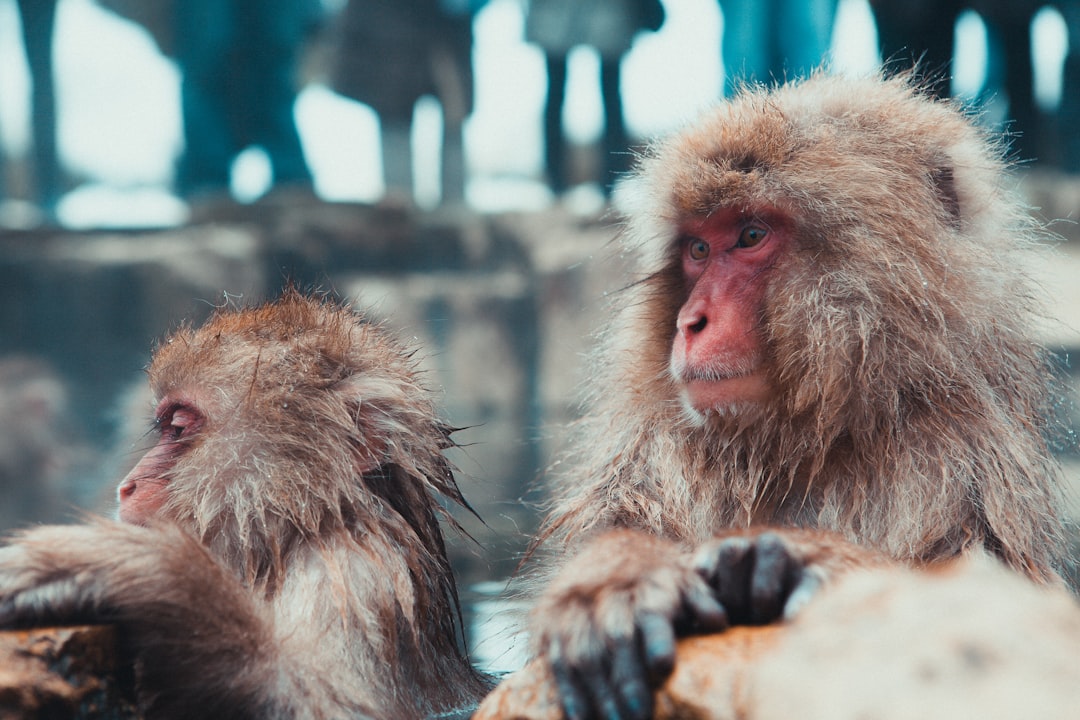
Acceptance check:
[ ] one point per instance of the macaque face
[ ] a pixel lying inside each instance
(142, 493)
(718, 356)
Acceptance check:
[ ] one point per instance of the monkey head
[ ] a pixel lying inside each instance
(810, 253)
(266, 398)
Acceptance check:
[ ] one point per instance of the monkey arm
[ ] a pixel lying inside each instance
(608, 623)
(177, 609)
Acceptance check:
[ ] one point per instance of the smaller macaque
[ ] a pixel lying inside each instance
(279, 553)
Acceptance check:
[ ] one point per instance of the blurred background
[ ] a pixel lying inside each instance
(101, 101)
(453, 163)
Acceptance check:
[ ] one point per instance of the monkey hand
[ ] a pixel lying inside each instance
(607, 624)
(105, 572)
(769, 576)
(184, 616)
(52, 576)
(757, 579)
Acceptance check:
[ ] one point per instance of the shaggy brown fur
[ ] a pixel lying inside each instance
(911, 395)
(853, 383)
(297, 568)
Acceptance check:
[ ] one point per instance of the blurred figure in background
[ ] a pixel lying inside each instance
(919, 31)
(924, 31)
(1069, 110)
(389, 54)
(44, 184)
(1010, 76)
(766, 40)
(609, 26)
(238, 60)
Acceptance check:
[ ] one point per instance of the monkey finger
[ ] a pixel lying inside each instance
(573, 696)
(657, 637)
(631, 681)
(706, 613)
(708, 560)
(581, 667)
(584, 674)
(586, 692)
(605, 699)
(726, 565)
(52, 603)
(7, 612)
(770, 581)
(809, 584)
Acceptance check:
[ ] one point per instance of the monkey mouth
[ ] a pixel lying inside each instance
(727, 396)
(709, 374)
(685, 371)
(720, 388)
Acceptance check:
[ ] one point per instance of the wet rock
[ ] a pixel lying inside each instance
(63, 674)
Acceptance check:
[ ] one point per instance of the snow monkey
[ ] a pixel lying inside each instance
(279, 553)
(825, 359)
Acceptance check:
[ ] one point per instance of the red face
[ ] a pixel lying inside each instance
(718, 354)
(145, 489)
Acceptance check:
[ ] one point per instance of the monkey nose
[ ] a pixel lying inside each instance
(691, 323)
(126, 489)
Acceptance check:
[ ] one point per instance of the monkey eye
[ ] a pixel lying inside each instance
(697, 248)
(751, 236)
(177, 420)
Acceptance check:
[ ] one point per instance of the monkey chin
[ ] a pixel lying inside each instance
(724, 397)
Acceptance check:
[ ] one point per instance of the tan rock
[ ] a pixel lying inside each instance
(972, 641)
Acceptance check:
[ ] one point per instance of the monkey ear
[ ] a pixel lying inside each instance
(944, 182)
(371, 441)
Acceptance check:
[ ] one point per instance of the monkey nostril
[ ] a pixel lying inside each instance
(697, 326)
(691, 324)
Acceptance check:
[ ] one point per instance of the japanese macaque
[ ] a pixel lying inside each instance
(279, 553)
(825, 361)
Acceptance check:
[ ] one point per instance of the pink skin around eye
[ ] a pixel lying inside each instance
(144, 490)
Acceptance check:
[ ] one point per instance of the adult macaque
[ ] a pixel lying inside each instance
(830, 330)
(280, 554)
